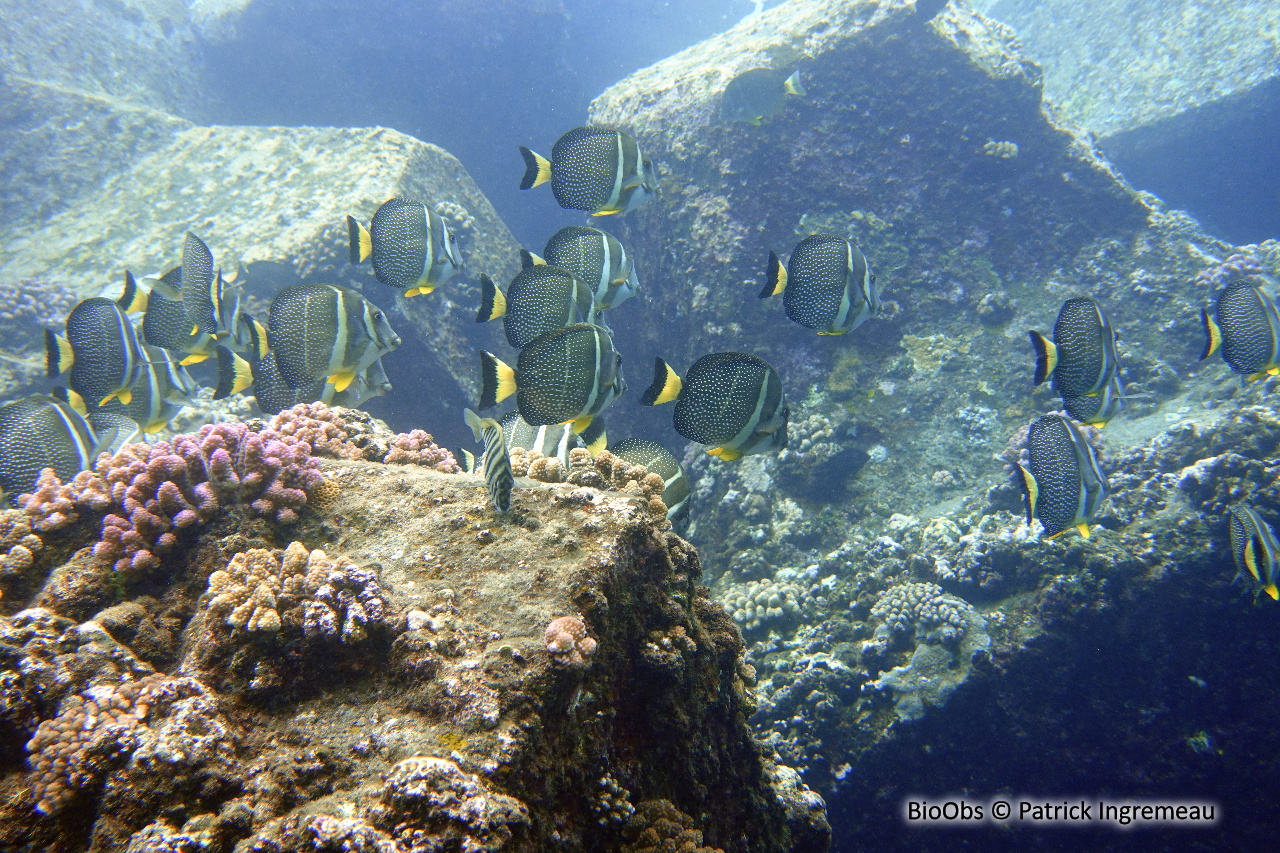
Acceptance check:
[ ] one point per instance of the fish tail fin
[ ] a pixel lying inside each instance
(234, 374)
(1030, 489)
(58, 356)
(469, 460)
(475, 422)
(537, 169)
(257, 337)
(775, 280)
(666, 385)
(1046, 356)
(595, 438)
(1213, 335)
(359, 240)
(793, 85)
(529, 259)
(71, 398)
(497, 380)
(134, 298)
(493, 304)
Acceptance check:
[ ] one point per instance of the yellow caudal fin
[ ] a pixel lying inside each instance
(537, 169)
(726, 454)
(793, 86)
(58, 356)
(775, 279)
(1030, 490)
(1046, 356)
(665, 388)
(360, 241)
(71, 398)
(234, 374)
(124, 395)
(1213, 335)
(529, 259)
(497, 380)
(134, 298)
(493, 304)
(342, 380)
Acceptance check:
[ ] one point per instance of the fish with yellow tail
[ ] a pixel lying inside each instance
(732, 401)
(553, 439)
(41, 431)
(1062, 484)
(826, 285)
(1246, 327)
(326, 332)
(498, 479)
(540, 299)
(1254, 547)
(100, 349)
(411, 246)
(163, 387)
(594, 256)
(563, 377)
(599, 170)
(1081, 358)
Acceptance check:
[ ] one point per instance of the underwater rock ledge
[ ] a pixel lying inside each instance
(388, 682)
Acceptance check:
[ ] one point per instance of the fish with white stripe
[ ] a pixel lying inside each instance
(498, 479)
(594, 256)
(325, 331)
(599, 170)
(410, 244)
(1062, 484)
(826, 285)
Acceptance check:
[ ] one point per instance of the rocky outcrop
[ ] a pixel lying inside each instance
(404, 691)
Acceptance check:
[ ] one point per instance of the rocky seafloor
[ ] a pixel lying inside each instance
(312, 634)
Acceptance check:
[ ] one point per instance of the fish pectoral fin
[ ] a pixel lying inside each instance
(152, 429)
(124, 395)
(194, 358)
(342, 380)
(834, 332)
(608, 211)
(1083, 527)
(582, 423)
(1270, 589)
(726, 454)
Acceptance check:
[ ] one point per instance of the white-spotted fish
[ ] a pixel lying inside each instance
(1246, 329)
(40, 431)
(273, 395)
(411, 245)
(498, 479)
(1082, 356)
(597, 258)
(100, 349)
(658, 460)
(826, 285)
(201, 287)
(1063, 485)
(596, 169)
(326, 332)
(553, 440)
(758, 93)
(163, 387)
(1100, 409)
(165, 323)
(732, 401)
(561, 377)
(1254, 547)
(540, 299)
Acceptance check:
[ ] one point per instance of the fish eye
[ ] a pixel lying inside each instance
(377, 316)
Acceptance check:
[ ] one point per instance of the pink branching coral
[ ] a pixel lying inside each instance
(418, 448)
(54, 505)
(567, 642)
(327, 430)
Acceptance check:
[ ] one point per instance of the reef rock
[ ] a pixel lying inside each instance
(421, 674)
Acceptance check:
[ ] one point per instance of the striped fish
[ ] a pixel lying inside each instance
(1254, 547)
(596, 169)
(100, 349)
(411, 245)
(553, 439)
(39, 432)
(1246, 329)
(498, 479)
(1063, 485)
(595, 257)
(324, 331)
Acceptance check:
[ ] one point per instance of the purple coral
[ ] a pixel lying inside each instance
(418, 448)
(174, 485)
